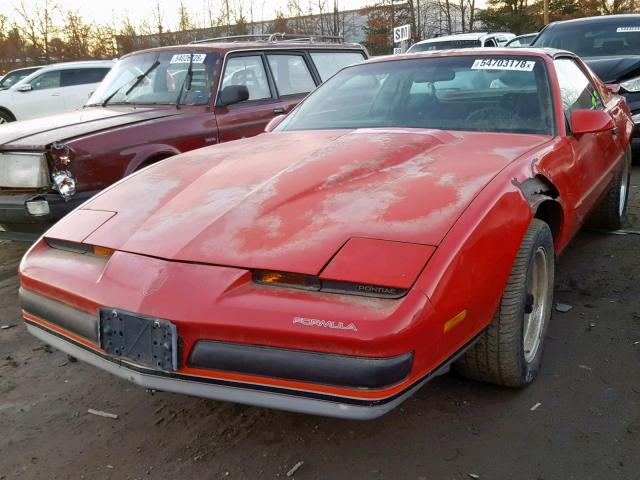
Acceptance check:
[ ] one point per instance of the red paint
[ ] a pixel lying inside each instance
(288, 201)
(339, 204)
(86, 222)
(391, 264)
(591, 121)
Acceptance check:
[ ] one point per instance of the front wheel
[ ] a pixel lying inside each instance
(611, 212)
(6, 117)
(509, 351)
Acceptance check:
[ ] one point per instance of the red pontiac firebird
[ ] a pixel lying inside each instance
(403, 218)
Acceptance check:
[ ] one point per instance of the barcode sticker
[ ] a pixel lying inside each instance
(515, 64)
(628, 29)
(186, 58)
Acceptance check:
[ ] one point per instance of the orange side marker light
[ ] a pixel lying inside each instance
(455, 321)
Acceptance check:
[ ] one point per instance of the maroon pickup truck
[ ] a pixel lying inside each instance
(152, 105)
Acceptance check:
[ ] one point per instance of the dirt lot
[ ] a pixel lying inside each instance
(587, 425)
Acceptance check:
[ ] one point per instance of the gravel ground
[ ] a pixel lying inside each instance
(586, 424)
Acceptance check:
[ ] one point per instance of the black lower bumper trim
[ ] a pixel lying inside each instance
(315, 367)
(69, 318)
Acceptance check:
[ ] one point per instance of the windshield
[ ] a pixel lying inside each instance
(616, 36)
(14, 77)
(444, 45)
(158, 78)
(494, 93)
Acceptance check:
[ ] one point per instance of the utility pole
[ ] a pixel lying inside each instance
(546, 12)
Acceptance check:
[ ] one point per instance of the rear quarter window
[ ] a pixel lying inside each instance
(82, 76)
(328, 63)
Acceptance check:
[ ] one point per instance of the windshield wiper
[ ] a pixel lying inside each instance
(139, 79)
(187, 78)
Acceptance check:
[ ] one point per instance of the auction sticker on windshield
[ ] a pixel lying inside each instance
(503, 64)
(186, 58)
(627, 29)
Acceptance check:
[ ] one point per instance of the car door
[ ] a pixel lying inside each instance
(43, 98)
(595, 154)
(292, 76)
(248, 118)
(276, 80)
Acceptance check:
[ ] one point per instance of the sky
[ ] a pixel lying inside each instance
(103, 11)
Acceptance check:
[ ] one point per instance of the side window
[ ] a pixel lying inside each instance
(576, 90)
(248, 71)
(291, 74)
(328, 63)
(46, 80)
(82, 76)
(490, 43)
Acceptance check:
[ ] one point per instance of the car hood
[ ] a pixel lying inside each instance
(612, 69)
(289, 200)
(40, 132)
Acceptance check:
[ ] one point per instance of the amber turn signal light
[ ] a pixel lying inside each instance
(286, 279)
(103, 251)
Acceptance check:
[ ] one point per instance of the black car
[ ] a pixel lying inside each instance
(610, 45)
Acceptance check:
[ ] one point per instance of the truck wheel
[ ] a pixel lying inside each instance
(509, 351)
(6, 117)
(611, 212)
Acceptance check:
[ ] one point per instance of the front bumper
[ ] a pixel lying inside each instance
(239, 341)
(255, 395)
(74, 332)
(262, 361)
(18, 222)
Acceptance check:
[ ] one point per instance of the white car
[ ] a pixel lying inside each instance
(57, 88)
(462, 40)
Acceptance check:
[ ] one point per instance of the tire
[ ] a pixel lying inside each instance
(611, 212)
(6, 117)
(508, 353)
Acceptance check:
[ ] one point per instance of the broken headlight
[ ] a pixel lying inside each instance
(65, 184)
(23, 170)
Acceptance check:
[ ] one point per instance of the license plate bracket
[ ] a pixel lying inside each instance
(147, 341)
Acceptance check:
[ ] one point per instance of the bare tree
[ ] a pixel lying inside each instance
(103, 42)
(184, 20)
(472, 13)
(78, 36)
(28, 27)
(321, 5)
(158, 18)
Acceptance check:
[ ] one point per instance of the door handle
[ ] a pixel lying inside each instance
(279, 111)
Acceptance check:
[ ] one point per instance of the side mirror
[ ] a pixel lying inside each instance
(25, 88)
(613, 87)
(590, 121)
(234, 94)
(275, 121)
